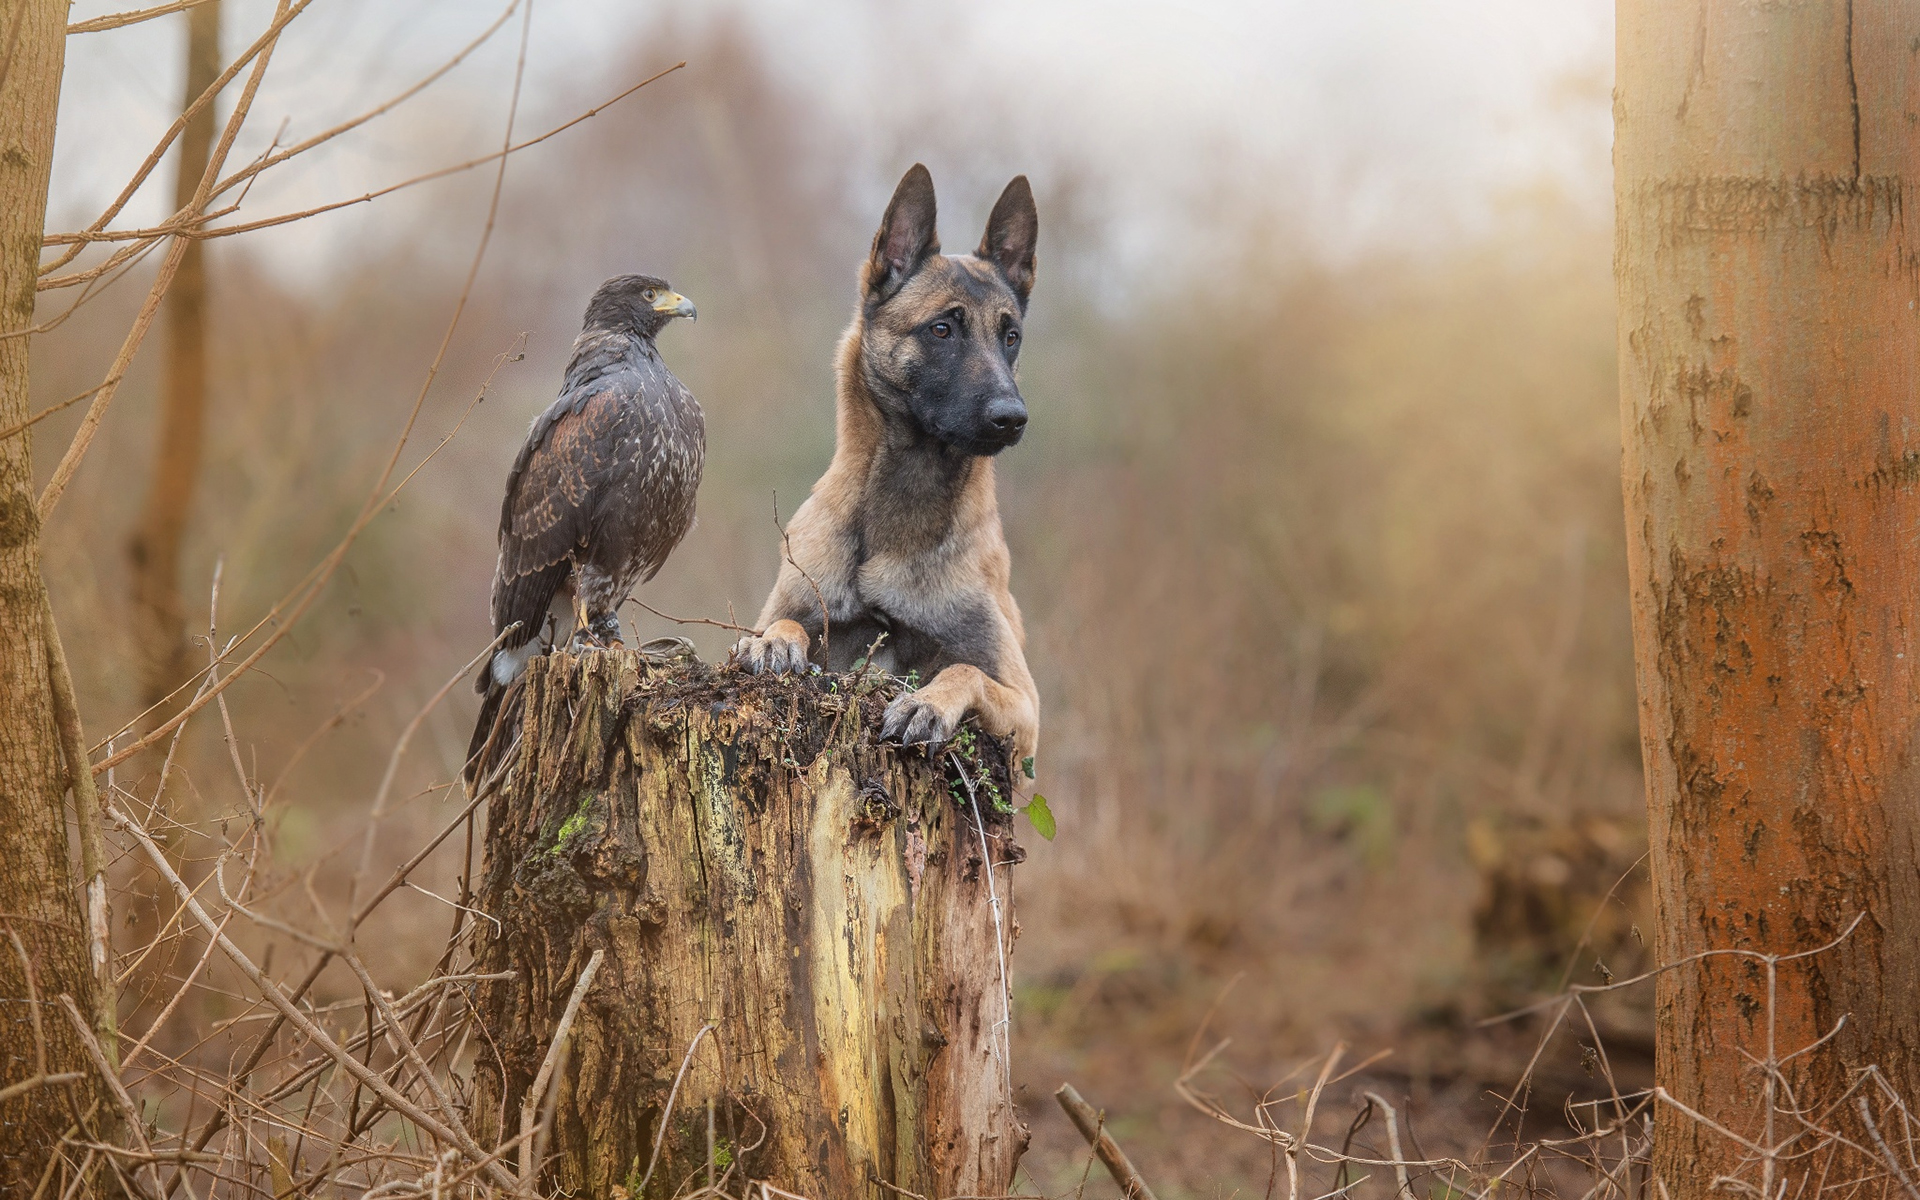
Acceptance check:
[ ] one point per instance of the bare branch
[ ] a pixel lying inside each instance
(400, 749)
(530, 1104)
(786, 552)
(299, 1020)
(296, 603)
(86, 811)
(286, 614)
(660, 1131)
(261, 45)
(40, 1077)
(1092, 1126)
(129, 1113)
(1402, 1190)
(83, 437)
(180, 223)
(693, 620)
(442, 173)
(43, 414)
(122, 20)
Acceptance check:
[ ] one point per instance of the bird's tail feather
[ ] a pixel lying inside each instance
(495, 730)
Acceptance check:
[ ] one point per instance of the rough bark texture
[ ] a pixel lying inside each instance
(1769, 358)
(750, 859)
(153, 552)
(36, 895)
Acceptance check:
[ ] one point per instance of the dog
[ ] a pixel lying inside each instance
(901, 537)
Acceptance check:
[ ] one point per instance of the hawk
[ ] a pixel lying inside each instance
(601, 492)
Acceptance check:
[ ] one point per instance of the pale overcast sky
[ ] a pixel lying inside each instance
(1382, 120)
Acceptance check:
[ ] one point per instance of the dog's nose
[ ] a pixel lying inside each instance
(1007, 415)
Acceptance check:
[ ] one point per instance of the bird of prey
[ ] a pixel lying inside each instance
(601, 492)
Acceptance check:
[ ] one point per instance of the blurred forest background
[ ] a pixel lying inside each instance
(1317, 526)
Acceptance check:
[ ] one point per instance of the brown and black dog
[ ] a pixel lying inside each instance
(902, 535)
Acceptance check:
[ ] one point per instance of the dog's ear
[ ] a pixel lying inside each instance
(906, 236)
(1011, 233)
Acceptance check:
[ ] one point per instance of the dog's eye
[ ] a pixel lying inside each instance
(941, 329)
(1013, 338)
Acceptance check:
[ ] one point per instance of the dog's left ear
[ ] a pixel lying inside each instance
(1011, 233)
(906, 237)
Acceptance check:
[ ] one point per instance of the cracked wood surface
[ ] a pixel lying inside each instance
(1769, 335)
(749, 858)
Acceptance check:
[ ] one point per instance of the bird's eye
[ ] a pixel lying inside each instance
(650, 295)
(941, 329)
(1013, 338)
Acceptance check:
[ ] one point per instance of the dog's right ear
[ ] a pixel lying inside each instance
(1011, 233)
(906, 236)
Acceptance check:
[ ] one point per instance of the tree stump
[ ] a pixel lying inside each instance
(802, 981)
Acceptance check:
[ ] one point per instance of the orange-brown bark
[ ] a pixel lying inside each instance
(1770, 395)
(153, 552)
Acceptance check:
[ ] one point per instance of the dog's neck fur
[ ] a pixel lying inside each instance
(932, 487)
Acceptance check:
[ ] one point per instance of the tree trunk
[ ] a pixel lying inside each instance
(37, 899)
(1769, 357)
(750, 860)
(153, 552)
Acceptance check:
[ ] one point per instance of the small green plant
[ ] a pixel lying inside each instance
(1038, 813)
(966, 749)
(1026, 766)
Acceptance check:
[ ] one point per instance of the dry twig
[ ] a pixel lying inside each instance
(530, 1104)
(1092, 1126)
(122, 20)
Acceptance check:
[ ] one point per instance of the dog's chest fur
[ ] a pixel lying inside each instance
(911, 565)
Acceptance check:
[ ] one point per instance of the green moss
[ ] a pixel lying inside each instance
(573, 824)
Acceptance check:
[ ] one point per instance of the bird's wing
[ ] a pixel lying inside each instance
(574, 453)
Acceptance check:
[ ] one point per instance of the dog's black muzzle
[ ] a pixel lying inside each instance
(1003, 421)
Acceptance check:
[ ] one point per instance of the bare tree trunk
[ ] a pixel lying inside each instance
(1770, 393)
(755, 866)
(153, 552)
(37, 897)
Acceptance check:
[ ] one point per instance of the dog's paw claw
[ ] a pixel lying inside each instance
(913, 722)
(929, 728)
(741, 655)
(763, 656)
(895, 722)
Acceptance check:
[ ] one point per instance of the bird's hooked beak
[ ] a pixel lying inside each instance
(673, 304)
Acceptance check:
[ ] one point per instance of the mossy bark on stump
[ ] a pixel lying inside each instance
(751, 860)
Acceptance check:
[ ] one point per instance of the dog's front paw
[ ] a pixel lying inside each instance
(914, 720)
(781, 650)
